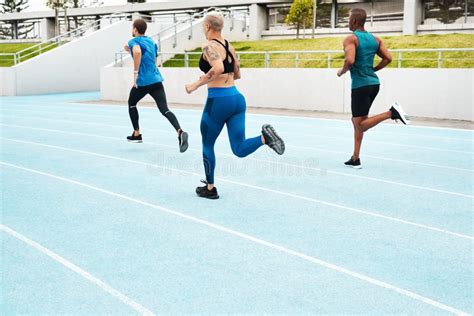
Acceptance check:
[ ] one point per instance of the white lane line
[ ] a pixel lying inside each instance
(395, 160)
(114, 107)
(372, 179)
(255, 240)
(300, 197)
(325, 136)
(292, 166)
(71, 266)
(298, 147)
(387, 143)
(295, 146)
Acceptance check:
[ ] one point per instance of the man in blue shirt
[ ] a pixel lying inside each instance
(360, 49)
(147, 79)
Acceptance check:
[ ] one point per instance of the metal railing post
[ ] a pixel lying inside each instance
(175, 30)
(297, 60)
(14, 59)
(267, 59)
(440, 59)
(186, 60)
(190, 28)
(400, 59)
(329, 60)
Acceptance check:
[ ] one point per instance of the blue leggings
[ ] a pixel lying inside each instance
(225, 106)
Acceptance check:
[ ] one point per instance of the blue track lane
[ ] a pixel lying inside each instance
(405, 219)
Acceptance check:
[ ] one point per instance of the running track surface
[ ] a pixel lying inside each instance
(92, 224)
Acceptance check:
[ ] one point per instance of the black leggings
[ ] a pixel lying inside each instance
(157, 92)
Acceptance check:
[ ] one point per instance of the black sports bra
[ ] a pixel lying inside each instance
(228, 65)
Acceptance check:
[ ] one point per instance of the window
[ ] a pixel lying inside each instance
(277, 15)
(448, 11)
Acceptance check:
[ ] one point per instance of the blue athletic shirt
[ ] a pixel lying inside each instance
(148, 73)
(362, 72)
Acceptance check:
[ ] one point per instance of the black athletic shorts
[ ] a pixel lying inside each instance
(362, 99)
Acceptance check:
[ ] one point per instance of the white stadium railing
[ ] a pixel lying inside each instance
(27, 53)
(327, 58)
(187, 22)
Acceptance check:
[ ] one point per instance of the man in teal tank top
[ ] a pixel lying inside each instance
(360, 49)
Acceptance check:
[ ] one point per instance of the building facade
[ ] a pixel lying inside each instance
(267, 17)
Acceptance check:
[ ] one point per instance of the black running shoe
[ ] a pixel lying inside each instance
(204, 192)
(183, 141)
(135, 139)
(272, 139)
(399, 114)
(353, 163)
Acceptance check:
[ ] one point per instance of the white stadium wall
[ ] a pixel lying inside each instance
(436, 93)
(74, 66)
(7, 81)
(433, 93)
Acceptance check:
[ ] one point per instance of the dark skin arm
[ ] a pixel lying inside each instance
(384, 54)
(350, 45)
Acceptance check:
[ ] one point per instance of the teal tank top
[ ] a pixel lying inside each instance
(362, 72)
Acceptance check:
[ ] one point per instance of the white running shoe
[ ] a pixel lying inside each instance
(399, 114)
